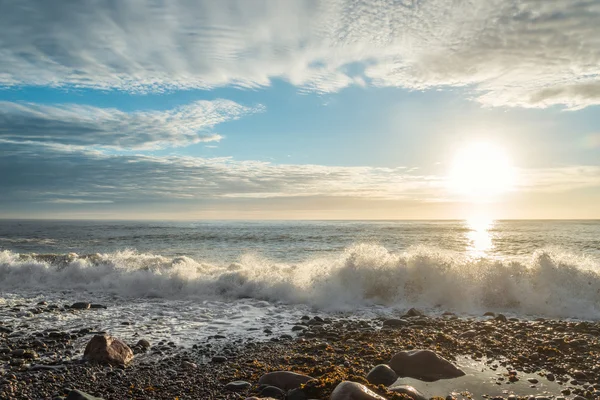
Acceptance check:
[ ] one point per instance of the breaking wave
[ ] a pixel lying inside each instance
(551, 284)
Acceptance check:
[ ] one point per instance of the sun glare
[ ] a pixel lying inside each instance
(481, 171)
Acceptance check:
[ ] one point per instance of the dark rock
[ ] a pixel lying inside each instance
(382, 374)
(106, 349)
(78, 395)
(394, 323)
(80, 306)
(284, 380)
(501, 318)
(409, 391)
(347, 390)
(298, 328)
(489, 314)
(238, 386)
(143, 343)
(413, 312)
(272, 391)
(97, 306)
(219, 359)
(424, 365)
(296, 394)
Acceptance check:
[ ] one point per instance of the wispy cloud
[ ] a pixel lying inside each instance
(528, 53)
(69, 177)
(80, 125)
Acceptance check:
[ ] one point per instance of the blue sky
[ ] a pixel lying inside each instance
(300, 109)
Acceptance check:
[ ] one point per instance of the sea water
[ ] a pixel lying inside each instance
(184, 281)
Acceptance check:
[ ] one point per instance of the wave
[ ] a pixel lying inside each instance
(551, 284)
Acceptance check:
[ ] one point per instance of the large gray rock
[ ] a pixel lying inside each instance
(285, 380)
(78, 395)
(106, 349)
(424, 365)
(408, 390)
(347, 390)
(382, 374)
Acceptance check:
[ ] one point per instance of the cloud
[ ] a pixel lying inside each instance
(80, 125)
(528, 53)
(33, 174)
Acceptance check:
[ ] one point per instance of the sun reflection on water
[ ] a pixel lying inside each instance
(479, 237)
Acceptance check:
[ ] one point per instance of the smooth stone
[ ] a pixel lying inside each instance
(424, 365)
(409, 391)
(285, 380)
(347, 390)
(98, 306)
(106, 349)
(272, 391)
(238, 386)
(79, 395)
(143, 343)
(501, 318)
(394, 323)
(382, 374)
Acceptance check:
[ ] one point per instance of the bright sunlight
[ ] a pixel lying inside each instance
(481, 171)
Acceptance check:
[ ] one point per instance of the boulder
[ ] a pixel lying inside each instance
(382, 374)
(79, 395)
(106, 349)
(408, 390)
(347, 390)
(424, 365)
(285, 380)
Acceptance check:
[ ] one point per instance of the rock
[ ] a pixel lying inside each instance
(219, 359)
(238, 386)
(298, 328)
(296, 394)
(285, 380)
(532, 380)
(489, 314)
(409, 391)
(468, 334)
(78, 395)
(96, 306)
(382, 374)
(188, 365)
(550, 377)
(24, 353)
(80, 306)
(347, 390)
(272, 391)
(106, 349)
(143, 343)
(394, 323)
(501, 318)
(413, 312)
(579, 375)
(424, 365)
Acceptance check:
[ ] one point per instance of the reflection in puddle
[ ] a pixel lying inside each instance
(481, 381)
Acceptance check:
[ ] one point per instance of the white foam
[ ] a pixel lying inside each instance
(546, 283)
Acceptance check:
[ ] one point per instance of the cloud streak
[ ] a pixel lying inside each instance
(81, 125)
(68, 177)
(528, 53)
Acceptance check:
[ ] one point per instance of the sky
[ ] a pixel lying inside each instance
(334, 109)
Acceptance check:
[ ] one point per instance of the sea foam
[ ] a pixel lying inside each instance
(546, 283)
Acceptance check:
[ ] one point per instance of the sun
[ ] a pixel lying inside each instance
(481, 171)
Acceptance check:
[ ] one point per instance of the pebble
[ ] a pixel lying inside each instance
(382, 374)
(347, 390)
(238, 386)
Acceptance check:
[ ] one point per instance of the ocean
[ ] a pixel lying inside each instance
(184, 281)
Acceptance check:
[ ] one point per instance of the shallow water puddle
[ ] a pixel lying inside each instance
(480, 382)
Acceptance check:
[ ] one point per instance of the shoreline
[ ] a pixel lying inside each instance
(563, 355)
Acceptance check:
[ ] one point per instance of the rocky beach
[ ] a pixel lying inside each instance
(411, 355)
